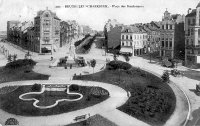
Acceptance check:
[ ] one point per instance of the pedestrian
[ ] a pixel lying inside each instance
(51, 58)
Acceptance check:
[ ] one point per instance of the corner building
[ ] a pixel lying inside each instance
(47, 32)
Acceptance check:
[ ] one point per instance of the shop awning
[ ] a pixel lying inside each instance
(126, 50)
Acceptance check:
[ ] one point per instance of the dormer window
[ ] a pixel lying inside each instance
(47, 15)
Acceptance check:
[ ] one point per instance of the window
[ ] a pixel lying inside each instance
(188, 32)
(163, 44)
(131, 37)
(46, 34)
(170, 44)
(131, 44)
(166, 43)
(166, 26)
(192, 31)
(122, 43)
(46, 15)
(187, 42)
(170, 26)
(188, 21)
(122, 36)
(126, 36)
(193, 21)
(163, 27)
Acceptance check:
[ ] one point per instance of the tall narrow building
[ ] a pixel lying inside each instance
(172, 36)
(47, 32)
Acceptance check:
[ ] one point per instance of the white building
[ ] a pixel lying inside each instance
(133, 40)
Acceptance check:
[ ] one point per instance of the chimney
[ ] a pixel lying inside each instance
(189, 10)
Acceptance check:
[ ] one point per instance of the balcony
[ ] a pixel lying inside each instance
(192, 46)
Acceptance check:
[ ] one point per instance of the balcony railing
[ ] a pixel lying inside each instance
(192, 46)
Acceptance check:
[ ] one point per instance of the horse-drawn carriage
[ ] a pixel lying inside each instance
(175, 72)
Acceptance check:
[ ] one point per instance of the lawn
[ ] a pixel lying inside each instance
(11, 103)
(151, 100)
(20, 70)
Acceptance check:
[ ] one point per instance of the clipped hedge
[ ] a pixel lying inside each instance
(77, 43)
(36, 87)
(114, 65)
(20, 62)
(74, 87)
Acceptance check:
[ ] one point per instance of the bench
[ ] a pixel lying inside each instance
(82, 117)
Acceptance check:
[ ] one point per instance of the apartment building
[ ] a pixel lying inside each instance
(172, 36)
(133, 40)
(47, 32)
(192, 36)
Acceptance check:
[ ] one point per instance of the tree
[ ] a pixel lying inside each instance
(115, 57)
(9, 58)
(93, 64)
(165, 76)
(14, 57)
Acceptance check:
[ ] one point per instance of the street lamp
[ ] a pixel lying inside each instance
(149, 50)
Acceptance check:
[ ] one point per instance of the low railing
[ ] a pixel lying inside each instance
(192, 46)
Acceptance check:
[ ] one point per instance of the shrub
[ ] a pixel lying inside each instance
(20, 62)
(98, 92)
(93, 64)
(114, 65)
(74, 87)
(36, 87)
(165, 76)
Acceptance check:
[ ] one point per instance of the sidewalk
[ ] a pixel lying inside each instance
(122, 119)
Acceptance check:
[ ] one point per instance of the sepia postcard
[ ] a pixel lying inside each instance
(100, 63)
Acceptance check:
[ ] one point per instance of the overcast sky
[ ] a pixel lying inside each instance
(95, 17)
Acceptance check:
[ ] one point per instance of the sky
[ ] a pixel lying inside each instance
(152, 10)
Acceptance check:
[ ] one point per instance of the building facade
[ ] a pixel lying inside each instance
(17, 32)
(47, 32)
(192, 36)
(171, 35)
(153, 39)
(133, 40)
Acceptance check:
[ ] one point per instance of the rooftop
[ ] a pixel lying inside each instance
(130, 29)
(198, 5)
(192, 14)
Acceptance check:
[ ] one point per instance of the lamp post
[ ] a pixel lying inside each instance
(149, 50)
